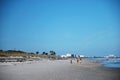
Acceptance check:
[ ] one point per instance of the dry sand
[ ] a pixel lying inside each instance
(57, 70)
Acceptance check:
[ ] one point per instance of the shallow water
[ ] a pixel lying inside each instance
(107, 62)
(113, 63)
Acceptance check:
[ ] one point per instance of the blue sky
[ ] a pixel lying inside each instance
(88, 27)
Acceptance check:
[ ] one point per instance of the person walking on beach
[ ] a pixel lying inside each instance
(77, 60)
(72, 57)
(71, 61)
(80, 59)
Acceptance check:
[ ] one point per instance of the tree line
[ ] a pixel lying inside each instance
(19, 51)
(7, 53)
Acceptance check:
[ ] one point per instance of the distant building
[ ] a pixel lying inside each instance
(63, 56)
(68, 55)
(82, 56)
(111, 56)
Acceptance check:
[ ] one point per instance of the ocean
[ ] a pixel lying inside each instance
(107, 62)
(112, 62)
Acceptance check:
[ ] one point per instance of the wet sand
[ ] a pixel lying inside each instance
(57, 70)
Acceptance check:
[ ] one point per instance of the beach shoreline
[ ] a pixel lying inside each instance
(57, 70)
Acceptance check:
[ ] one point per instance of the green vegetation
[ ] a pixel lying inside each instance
(14, 53)
(52, 55)
(18, 53)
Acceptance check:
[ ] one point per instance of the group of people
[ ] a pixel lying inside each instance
(77, 60)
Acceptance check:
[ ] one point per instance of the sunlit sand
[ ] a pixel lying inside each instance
(56, 70)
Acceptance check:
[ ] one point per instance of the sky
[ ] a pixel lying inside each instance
(86, 27)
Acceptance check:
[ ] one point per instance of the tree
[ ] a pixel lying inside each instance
(1, 50)
(46, 53)
(52, 53)
(37, 52)
(43, 53)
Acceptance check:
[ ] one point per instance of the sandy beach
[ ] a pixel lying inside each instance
(57, 70)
